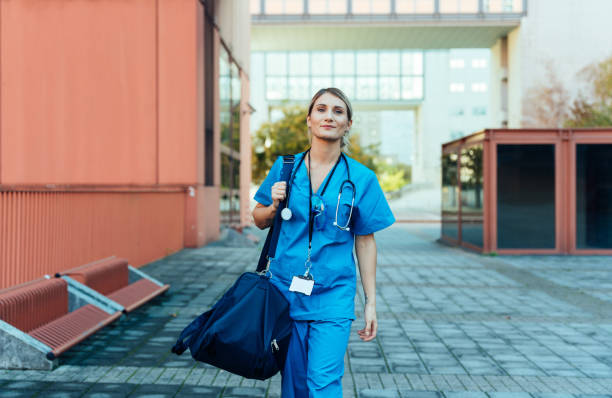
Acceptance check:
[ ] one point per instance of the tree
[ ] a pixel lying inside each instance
(547, 104)
(594, 108)
(289, 134)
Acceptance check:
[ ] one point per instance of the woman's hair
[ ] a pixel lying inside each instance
(338, 93)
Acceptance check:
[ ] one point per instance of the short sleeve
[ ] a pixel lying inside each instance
(264, 193)
(373, 211)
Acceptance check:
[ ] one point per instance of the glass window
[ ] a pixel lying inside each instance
(276, 63)
(327, 6)
(346, 84)
(371, 7)
(367, 63)
(225, 96)
(383, 77)
(236, 94)
(457, 63)
(274, 6)
(414, 6)
(472, 195)
(412, 87)
(389, 63)
(479, 63)
(344, 63)
(255, 6)
(593, 196)
(450, 196)
(501, 6)
(283, 6)
(299, 88)
(294, 6)
(366, 88)
(389, 88)
(457, 87)
(320, 82)
(526, 196)
(321, 63)
(412, 63)
(236, 84)
(299, 63)
(276, 88)
(479, 87)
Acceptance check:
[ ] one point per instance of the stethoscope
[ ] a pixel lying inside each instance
(287, 214)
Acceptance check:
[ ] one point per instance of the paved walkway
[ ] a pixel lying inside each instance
(452, 324)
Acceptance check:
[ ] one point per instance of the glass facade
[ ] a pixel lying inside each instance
(229, 96)
(472, 195)
(389, 75)
(525, 196)
(450, 196)
(593, 196)
(381, 7)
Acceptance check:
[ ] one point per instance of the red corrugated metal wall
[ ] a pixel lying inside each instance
(45, 232)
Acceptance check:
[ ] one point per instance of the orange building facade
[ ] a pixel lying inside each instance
(123, 129)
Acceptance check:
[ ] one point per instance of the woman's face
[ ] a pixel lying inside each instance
(328, 119)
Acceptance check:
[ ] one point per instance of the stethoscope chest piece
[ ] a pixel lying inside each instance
(286, 214)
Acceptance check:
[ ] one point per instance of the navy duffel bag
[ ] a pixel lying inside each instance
(247, 332)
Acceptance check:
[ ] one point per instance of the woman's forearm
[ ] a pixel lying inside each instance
(264, 215)
(365, 247)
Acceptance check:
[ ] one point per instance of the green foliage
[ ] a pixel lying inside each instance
(393, 176)
(596, 111)
(289, 134)
(285, 136)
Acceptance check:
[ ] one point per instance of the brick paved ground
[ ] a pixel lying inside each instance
(452, 324)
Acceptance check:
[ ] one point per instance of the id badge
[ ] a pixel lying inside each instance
(302, 284)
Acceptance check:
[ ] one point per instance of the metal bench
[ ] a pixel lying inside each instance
(117, 280)
(41, 319)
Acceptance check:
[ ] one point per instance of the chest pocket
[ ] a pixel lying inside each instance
(332, 232)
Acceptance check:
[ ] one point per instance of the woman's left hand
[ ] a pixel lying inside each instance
(371, 325)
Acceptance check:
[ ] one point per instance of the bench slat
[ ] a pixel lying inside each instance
(70, 326)
(137, 293)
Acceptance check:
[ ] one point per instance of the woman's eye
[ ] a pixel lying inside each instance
(338, 111)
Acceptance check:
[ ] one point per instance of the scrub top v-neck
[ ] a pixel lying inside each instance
(333, 264)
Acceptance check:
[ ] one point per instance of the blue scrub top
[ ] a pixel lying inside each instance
(333, 264)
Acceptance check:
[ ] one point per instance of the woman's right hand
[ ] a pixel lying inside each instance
(279, 192)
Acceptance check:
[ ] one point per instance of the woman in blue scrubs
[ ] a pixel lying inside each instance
(334, 204)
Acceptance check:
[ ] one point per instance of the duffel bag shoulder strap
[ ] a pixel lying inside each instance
(269, 248)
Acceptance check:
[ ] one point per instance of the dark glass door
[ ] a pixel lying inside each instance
(525, 196)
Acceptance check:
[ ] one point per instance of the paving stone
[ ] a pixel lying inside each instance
(451, 323)
(464, 394)
(378, 393)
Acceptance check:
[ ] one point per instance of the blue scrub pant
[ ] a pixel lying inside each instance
(315, 359)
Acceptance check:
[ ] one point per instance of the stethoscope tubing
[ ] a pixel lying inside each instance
(347, 181)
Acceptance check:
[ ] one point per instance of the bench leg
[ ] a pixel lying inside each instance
(19, 350)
